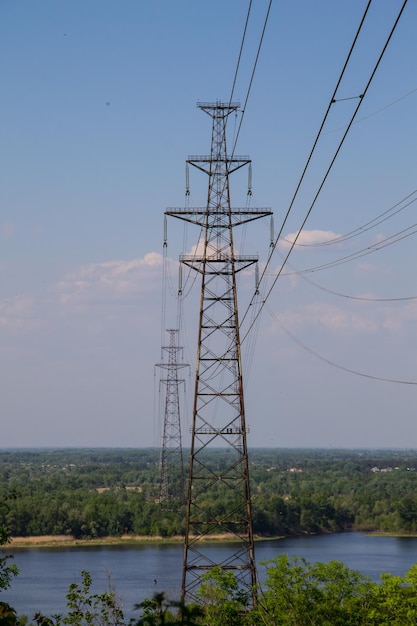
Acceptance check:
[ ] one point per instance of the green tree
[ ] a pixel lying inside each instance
(407, 509)
(298, 593)
(154, 611)
(7, 615)
(224, 603)
(396, 600)
(92, 609)
(159, 611)
(7, 570)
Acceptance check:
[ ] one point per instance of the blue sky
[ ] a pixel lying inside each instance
(98, 115)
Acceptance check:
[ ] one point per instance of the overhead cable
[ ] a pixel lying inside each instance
(384, 108)
(376, 221)
(363, 94)
(344, 295)
(332, 363)
(240, 52)
(252, 75)
(331, 102)
(384, 243)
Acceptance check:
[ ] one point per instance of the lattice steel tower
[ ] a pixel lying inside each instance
(218, 499)
(172, 466)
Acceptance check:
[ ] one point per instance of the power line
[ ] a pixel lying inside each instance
(240, 51)
(252, 76)
(332, 363)
(376, 221)
(384, 243)
(333, 100)
(273, 247)
(384, 108)
(350, 297)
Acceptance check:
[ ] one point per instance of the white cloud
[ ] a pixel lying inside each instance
(6, 230)
(16, 312)
(311, 237)
(111, 281)
(37, 231)
(213, 248)
(347, 321)
(368, 268)
(396, 318)
(340, 319)
(118, 288)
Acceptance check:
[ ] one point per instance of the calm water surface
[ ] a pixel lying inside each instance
(45, 574)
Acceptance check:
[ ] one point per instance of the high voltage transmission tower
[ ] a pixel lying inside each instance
(218, 495)
(172, 466)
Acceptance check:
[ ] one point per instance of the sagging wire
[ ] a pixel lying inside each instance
(376, 221)
(330, 362)
(301, 273)
(333, 100)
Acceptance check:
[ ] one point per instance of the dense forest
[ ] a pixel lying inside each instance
(93, 493)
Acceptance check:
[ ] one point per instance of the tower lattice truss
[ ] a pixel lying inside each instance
(218, 495)
(172, 466)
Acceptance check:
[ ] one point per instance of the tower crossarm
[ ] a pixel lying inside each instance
(205, 163)
(217, 265)
(238, 216)
(169, 366)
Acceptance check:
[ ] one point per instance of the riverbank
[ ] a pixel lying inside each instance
(67, 541)
(63, 541)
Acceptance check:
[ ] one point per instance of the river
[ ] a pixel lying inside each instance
(46, 573)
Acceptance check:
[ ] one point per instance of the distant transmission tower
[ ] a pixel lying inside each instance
(172, 466)
(218, 499)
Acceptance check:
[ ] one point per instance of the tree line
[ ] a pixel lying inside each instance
(93, 493)
(99, 493)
